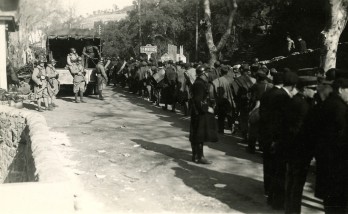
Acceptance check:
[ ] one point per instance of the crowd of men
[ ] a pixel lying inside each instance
(292, 117)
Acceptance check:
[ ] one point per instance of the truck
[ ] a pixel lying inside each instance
(58, 46)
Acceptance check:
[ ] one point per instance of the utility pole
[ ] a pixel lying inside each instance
(139, 13)
(197, 35)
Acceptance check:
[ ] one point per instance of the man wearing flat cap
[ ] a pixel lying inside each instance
(331, 149)
(297, 156)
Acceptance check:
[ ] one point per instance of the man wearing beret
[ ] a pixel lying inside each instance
(332, 148)
(203, 125)
(297, 156)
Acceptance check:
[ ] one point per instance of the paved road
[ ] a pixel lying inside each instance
(135, 157)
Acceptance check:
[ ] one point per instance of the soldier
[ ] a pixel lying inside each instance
(40, 88)
(79, 73)
(72, 58)
(224, 100)
(298, 159)
(241, 87)
(203, 125)
(331, 149)
(90, 54)
(182, 93)
(101, 77)
(170, 80)
(53, 86)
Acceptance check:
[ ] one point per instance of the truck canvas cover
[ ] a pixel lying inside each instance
(58, 47)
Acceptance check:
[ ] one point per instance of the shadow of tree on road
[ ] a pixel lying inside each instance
(240, 193)
(226, 144)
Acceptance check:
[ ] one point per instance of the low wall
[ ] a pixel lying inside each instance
(26, 152)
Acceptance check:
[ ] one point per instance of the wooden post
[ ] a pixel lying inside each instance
(3, 50)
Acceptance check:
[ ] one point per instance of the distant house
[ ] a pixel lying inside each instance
(104, 16)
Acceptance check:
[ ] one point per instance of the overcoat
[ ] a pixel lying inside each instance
(331, 149)
(203, 126)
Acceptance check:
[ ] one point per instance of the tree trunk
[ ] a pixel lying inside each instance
(214, 50)
(332, 32)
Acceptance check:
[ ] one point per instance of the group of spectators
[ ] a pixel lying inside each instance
(292, 117)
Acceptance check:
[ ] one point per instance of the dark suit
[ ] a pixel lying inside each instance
(331, 154)
(279, 104)
(294, 144)
(270, 111)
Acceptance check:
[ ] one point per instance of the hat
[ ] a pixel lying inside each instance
(307, 72)
(52, 61)
(307, 80)
(144, 63)
(236, 66)
(187, 65)
(245, 67)
(273, 71)
(79, 59)
(290, 78)
(261, 74)
(200, 70)
(277, 78)
(224, 69)
(340, 83)
(42, 59)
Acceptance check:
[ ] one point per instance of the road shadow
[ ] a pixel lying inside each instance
(228, 144)
(240, 193)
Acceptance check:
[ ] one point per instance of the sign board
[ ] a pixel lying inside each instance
(148, 49)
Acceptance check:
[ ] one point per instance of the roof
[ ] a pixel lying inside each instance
(72, 33)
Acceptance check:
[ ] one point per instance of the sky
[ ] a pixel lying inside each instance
(88, 6)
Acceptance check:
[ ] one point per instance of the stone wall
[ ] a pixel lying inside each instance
(26, 152)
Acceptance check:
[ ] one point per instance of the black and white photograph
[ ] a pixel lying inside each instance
(173, 106)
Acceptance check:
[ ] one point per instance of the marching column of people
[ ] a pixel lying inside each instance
(292, 117)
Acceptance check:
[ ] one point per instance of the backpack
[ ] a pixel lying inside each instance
(243, 94)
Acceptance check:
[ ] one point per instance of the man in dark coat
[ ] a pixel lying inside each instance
(297, 157)
(203, 125)
(257, 90)
(280, 103)
(332, 148)
(170, 82)
(267, 110)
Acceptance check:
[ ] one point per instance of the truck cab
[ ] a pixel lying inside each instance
(58, 46)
